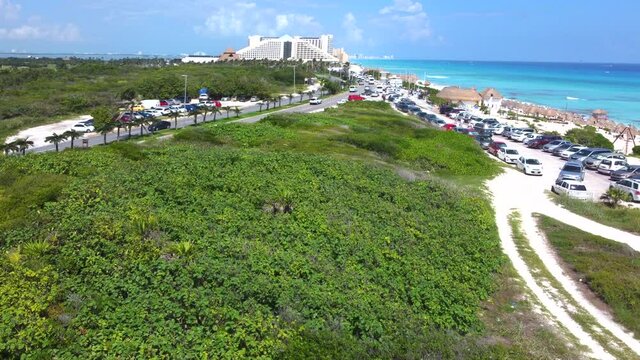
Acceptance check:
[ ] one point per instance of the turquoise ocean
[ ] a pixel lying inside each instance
(578, 87)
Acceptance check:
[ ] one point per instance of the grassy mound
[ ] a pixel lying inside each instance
(268, 241)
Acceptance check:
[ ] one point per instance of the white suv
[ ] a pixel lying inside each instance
(607, 166)
(630, 186)
(315, 101)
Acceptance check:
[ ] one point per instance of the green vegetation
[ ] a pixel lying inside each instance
(34, 92)
(588, 136)
(636, 150)
(290, 238)
(610, 269)
(432, 96)
(623, 218)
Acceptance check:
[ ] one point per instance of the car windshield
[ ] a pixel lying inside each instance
(533, 162)
(606, 162)
(571, 168)
(583, 152)
(512, 152)
(578, 187)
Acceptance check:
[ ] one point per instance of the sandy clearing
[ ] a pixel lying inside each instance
(503, 210)
(39, 133)
(506, 198)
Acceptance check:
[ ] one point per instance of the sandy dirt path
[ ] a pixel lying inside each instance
(509, 197)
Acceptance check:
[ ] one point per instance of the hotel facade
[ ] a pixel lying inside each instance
(289, 48)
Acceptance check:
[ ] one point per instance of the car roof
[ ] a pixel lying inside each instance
(575, 163)
(573, 182)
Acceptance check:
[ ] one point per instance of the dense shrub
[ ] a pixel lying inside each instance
(636, 150)
(176, 253)
(588, 136)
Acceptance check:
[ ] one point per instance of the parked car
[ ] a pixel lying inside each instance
(508, 155)
(315, 101)
(506, 131)
(544, 140)
(159, 125)
(83, 128)
(448, 127)
(629, 186)
(571, 150)
(355, 98)
(583, 154)
(530, 137)
(607, 166)
(560, 148)
(484, 141)
(552, 145)
(572, 189)
(593, 161)
(529, 165)
(572, 170)
(631, 171)
(495, 146)
(520, 134)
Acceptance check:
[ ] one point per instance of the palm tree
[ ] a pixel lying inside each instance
(129, 126)
(139, 122)
(290, 98)
(128, 95)
(260, 105)
(215, 111)
(72, 134)
(56, 139)
(23, 144)
(118, 124)
(236, 110)
(227, 109)
(195, 112)
(279, 100)
(205, 111)
(8, 147)
(105, 129)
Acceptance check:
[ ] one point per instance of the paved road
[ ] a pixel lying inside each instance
(97, 139)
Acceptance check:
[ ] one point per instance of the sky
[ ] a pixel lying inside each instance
(507, 30)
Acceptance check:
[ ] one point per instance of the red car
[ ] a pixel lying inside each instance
(448, 127)
(355, 98)
(495, 146)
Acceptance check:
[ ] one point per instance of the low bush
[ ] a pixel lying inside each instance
(588, 136)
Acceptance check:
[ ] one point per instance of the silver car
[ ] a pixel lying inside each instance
(630, 186)
(593, 161)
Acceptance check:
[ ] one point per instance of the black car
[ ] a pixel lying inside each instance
(402, 107)
(484, 141)
(159, 125)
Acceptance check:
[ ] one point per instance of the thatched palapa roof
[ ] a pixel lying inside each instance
(454, 93)
(491, 93)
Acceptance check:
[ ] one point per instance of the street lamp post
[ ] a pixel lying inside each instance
(185, 89)
(294, 79)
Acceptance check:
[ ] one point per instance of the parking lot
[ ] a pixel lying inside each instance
(596, 183)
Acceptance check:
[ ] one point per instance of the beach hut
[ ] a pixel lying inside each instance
(492, 99)
(454, 94)
(600, 114)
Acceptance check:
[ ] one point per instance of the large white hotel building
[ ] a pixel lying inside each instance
(289, 48)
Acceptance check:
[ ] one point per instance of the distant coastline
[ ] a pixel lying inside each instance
(575, 87)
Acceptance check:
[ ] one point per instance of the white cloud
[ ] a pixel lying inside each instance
(411, 16)
(34, 28)
(407, 6)
(350, 25)
(8, 10)
(66, 33)
(247, 18)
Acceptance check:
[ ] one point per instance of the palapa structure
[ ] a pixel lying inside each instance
(455, 94)
(229, 55)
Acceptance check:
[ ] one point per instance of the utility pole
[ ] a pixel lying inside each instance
(185, 89)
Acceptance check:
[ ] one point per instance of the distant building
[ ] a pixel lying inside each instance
(289, 48)
(395, 81)
(229, 55)
(492, 99)
(341, 55)
(200, 59)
